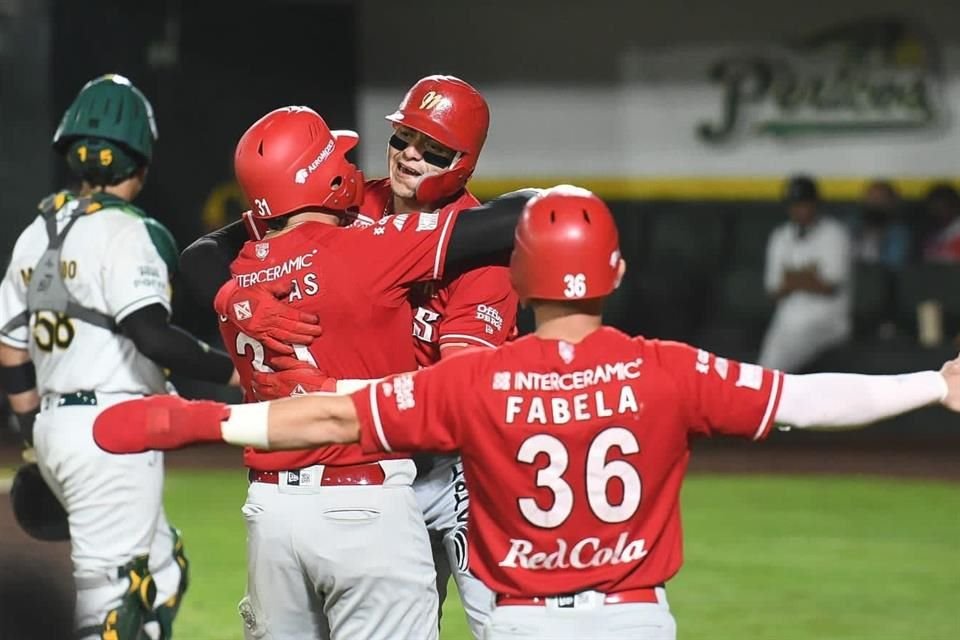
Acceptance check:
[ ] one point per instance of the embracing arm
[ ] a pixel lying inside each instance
(205, 264)
(483, 235)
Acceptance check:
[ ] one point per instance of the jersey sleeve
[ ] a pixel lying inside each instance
(481, 309)
(721, 396)
(405, 248)
(136, 273)
(421, 411)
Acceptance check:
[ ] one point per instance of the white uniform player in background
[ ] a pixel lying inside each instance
(84, 306)
(808, 271)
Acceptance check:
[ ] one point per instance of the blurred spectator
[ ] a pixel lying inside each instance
(808, 272)
(941, 242)
(880, 237)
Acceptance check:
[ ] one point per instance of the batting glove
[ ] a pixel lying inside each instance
(158, 423)
(259, 312)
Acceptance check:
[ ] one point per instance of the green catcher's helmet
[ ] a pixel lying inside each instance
(109, 108)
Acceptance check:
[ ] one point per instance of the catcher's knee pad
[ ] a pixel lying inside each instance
(126, 621)
(166, 611)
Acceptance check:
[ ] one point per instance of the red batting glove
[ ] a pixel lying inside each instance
(292, 382)
(259, 312)
(158, 423)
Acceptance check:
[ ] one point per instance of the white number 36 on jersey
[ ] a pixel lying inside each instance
(576, 285)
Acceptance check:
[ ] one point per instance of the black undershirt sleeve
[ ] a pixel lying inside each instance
(483, 235)
(205, 264)
(173, 348)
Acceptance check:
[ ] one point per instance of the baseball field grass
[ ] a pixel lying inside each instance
(767, 557)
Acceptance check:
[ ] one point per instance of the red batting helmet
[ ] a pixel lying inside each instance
(566, 247)
(289, 161)
(454, 114)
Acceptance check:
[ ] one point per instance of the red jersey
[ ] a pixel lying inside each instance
(574, 453)
(475, 308)
(357, 280)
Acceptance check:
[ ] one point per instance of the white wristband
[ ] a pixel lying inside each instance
(247, 425)
(349, 386)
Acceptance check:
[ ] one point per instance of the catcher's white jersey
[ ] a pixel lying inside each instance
(110, 263)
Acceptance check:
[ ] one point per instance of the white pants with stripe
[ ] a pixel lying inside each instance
(443, 497)
(591, 619)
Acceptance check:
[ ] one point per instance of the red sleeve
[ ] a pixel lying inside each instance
(421, 411)
(405, 248)
(721, 396)
(481, 309)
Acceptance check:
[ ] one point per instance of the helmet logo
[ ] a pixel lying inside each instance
(304, 173)
(430, 100)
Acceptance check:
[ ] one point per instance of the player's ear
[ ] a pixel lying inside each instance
(621, 269)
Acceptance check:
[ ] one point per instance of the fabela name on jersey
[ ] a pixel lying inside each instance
(583, 406)
(554, 409)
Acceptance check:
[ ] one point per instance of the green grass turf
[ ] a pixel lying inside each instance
(767, 557)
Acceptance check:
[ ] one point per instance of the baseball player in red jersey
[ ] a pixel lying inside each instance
(575, 439)
(333, 532)
(439, 130)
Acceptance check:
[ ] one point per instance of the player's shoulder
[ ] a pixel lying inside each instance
(465, 200)
(127, 220)
(666, 353)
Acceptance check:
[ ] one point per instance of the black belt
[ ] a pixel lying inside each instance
(77, 399)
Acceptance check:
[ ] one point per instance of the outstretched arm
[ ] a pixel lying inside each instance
(169, 422)
(825, 401)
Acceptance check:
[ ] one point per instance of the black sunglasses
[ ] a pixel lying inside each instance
(435, 159)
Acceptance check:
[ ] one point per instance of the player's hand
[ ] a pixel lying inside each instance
(158, 423)
(292, 382)
(259, 312)
(951, 373)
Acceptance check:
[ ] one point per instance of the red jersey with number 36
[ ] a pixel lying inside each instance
(574, 453)
(357, 280)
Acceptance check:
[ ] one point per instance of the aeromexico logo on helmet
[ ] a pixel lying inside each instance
(304, 173)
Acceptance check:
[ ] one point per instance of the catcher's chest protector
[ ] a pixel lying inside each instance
(47, 291)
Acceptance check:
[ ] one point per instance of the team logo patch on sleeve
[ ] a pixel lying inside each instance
(262, 250)
(403, 391)
(242, 310)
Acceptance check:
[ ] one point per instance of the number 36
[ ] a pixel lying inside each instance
(576, 285)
